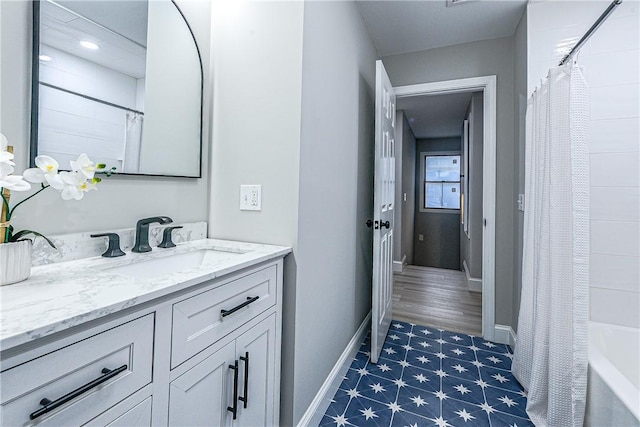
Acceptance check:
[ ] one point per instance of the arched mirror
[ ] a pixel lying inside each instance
(118, 80)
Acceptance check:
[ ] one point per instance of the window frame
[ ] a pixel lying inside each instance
(423, 181)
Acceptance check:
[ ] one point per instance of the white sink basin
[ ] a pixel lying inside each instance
(155, 267)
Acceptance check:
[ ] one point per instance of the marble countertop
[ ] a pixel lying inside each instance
(62, 295)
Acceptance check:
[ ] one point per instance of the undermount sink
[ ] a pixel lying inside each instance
(155, 267)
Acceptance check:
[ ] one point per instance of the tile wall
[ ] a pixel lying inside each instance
(611, 60)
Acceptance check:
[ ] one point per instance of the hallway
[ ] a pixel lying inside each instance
(437, 297)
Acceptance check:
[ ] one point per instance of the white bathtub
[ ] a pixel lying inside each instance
(613, 395)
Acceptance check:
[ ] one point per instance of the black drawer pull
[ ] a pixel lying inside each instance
(48, 405)
(245, 398)
(249, 300)
(234, 409)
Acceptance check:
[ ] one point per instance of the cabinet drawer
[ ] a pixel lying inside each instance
(200, 321)
(77, 371)
(128, 413)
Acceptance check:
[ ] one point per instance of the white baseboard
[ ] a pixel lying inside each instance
(398, 266)
(505, 335)
(322, 400)
(473, 284)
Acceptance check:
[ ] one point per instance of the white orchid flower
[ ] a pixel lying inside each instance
(84, 165)
(5, 156)
(5, 170)
(12, 182)
(75, 185)
(46, 170)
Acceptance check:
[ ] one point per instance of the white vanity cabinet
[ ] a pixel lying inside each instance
(189, 358)
(73, 384)
(234, 386)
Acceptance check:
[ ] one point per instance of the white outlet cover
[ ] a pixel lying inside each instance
(250, 197)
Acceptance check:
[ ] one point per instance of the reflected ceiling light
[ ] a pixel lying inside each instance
(44, 58)
(89, 45)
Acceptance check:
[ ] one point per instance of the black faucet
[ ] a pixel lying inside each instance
(113, 249)
(142, 232)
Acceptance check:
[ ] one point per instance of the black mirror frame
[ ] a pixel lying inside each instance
(35, 91)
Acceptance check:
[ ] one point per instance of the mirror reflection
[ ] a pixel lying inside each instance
(120, 81)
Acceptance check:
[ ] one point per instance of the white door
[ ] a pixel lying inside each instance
(200, 397)
(257, 389)
(383, 199)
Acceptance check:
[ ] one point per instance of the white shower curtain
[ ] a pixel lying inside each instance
(132, 142)
(550, 358)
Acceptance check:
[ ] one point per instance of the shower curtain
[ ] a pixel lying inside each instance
(550, 358)
(132, 142)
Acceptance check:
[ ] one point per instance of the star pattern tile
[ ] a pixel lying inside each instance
(430, 377)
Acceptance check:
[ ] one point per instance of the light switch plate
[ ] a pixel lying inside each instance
(250, 197)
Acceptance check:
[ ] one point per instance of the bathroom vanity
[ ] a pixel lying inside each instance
(182, 336)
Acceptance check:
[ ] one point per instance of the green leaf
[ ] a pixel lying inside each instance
(18, 236)
(101, 166)
(96, 180)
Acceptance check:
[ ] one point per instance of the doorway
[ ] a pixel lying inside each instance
(445, 222)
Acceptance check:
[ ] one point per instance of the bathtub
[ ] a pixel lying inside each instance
(613, 392)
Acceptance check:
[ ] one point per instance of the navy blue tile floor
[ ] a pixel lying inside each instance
(430, 377)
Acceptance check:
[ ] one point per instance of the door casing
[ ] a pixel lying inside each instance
(486, 84)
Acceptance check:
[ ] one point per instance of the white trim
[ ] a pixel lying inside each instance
(473, 283)
(504, 334)
(318, 406)
(487, 84)
(398, 266)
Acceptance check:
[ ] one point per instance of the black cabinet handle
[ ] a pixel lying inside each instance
(234, 408)
(249, 300)
(48, 405)
(385, 224)
(244, 398)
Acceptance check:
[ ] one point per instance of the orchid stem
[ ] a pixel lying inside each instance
(5, 203)
(44, 187)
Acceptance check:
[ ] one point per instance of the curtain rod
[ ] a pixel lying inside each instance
(91, 98)
(590, 31)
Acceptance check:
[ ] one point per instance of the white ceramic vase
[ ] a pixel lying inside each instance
(15, 262)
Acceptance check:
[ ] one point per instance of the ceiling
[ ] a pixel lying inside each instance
(125, 17)
(435, 116)
(63, 29)
(398, 26)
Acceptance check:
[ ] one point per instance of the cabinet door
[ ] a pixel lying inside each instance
(200, 396)
(257, 378)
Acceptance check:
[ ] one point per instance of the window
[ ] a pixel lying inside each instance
(442, 182)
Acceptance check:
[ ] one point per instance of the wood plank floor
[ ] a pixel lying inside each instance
(437, 297)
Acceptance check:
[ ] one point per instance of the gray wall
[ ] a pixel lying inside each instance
(256, 112)
(520, 108)
(257, 104)
(295, 114)
(405, 152)
(471, 245)
(120, 201)
(441, 230)
(333, 294)
(489, 57)
(408, 188)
